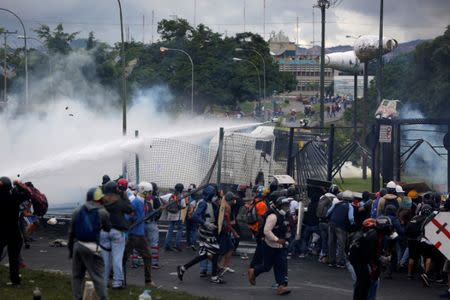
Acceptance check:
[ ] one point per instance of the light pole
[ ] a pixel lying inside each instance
(26, 56)
(164, 49)
(48, 56)
(264, 66)
(257, 71)
(380, 57)
(124, 80)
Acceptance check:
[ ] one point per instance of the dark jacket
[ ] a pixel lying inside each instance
(10, 201)
(310, 217)
(117, 207)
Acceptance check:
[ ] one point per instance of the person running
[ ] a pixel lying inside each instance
(117, 206)
(276, 233)
(136, 235)
(255, 215)
(227, 234)
(84, 247)
(206, 216)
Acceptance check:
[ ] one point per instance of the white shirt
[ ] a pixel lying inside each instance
(269, 237)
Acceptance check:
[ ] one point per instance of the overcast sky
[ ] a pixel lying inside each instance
(404, 19)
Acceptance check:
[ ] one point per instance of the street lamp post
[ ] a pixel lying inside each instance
(21, 37)
(124, 80)
(380, 57)
(264, 66)
(164, 49)
(26, 55)
(257, 71)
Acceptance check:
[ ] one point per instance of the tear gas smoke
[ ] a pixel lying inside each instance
(68, 143)
(424, 164)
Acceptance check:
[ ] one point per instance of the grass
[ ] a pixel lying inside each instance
(354, 184)
(57, 286)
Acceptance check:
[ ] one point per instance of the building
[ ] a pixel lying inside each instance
(303, 63)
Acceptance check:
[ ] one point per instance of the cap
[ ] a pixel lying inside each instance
(391, 185)
(399, 189)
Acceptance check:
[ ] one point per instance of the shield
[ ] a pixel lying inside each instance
(437, 231)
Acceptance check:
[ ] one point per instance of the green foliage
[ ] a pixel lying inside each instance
(91, 41)
(57, 41)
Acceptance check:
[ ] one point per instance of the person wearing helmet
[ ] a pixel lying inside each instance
(136, 235)
(276, 233)
(256, 210)
(175, 203)
(206, 216)
(117, 206)
(10, 235)
(341, 216)
(83, 243)
(390, 198)
(153, 204)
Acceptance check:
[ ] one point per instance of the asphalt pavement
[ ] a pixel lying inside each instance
(308, 279)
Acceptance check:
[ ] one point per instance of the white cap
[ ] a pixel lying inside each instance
(391, 185)
(399, 189)
(347, 195)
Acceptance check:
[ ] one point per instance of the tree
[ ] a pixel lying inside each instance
(90, 44)
(57, 41)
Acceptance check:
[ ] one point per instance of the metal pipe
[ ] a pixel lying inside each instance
(380, 58)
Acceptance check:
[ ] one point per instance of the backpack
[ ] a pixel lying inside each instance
(251, 216)
(324, 204)
(87, 225)
(39, 201)
(174, 206)
(414, 229)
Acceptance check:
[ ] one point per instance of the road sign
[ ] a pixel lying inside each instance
(438, 233)
(385, 134)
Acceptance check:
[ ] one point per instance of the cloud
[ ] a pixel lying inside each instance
(404, 19)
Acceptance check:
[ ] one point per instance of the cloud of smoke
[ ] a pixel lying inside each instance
(71, 134)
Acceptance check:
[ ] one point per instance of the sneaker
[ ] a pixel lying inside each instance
(244, 256)
(180, 272)
(283, 290)
(302, 255)
(331, 265)
(251, 276)
(445, 295)
(425, 279)
(151, 284)
(156, 267)
(229, 270)
(217, 280)
(341, 266)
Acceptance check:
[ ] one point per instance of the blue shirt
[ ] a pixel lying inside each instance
(139, 213)
(373, 213)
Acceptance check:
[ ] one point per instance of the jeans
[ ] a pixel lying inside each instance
(191, 233)
(337, 237)
(152, 235)
(323, 228)
(84, 260)
(114, 240)
(276, 258)
(179, 228)
(138, 243)
(206, 266)
(307, 232)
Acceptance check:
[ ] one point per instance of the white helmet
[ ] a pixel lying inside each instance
(399, 189)
(391, 185)
(145, 187)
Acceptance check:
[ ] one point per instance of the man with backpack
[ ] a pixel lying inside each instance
(191, 228)
(84, 247)
(341, 217)
(175, 204)
(136, 234)
(275, 229)
(117, 206)
(390, 198)
(325, 202)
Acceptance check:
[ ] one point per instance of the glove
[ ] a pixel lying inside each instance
(210, 226)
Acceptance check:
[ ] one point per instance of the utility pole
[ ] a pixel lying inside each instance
(264, 19)
(298, 40)
(380, 58)
(5, 74)
(244, 15)
(143, 29)
(153, 23)
(195, 13)
(314, 27)
(323, 4)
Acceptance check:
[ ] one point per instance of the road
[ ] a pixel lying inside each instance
(307, 278)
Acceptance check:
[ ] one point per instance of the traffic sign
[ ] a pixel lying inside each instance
(385, 134)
